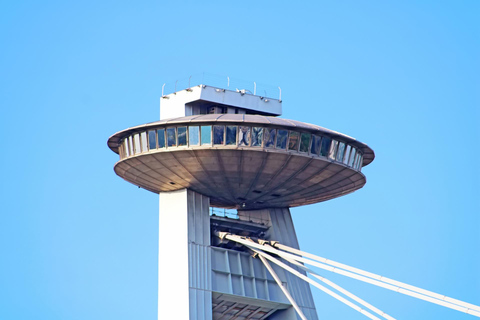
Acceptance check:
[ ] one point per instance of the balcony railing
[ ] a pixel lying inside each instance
(223, 82)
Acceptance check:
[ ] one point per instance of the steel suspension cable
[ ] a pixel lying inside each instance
(340, 289)
(250, 243)
(316, 284)
(280, 284)
(376, 276)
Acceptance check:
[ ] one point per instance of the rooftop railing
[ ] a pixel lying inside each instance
(223, 82)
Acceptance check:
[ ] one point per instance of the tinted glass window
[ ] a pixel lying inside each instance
(244, 136)
(206, 132)
(171, 139)
(127, 149)
(193, 136)
(358, 161)
(269, 138)
(341, 151)
(136, 143)
(315, 148)
(293, 141)
(161, 138)
(120, 151)
(218, 134)
(231, 135)
(143, 138)
(305, 142)
(130, 144)
(347, 154)
(182, 136)
(352, 157)
(282, 139)
(325, 146)
(152, 143)
(333, 149)
(257, 136)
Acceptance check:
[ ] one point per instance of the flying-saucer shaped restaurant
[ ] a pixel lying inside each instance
(242, 161)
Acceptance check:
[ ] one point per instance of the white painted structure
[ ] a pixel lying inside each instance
(223, 148)
(186, 277)
(184, 257)
(187, 102)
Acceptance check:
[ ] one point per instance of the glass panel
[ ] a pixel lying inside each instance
(325, 146)
(161, 138)
(193, 136)
(127, 148)
(282, 139)
(356, 160)
(269, 138)
(341, 151)
(143, 137)
(305, 142)
(293, 141)
(347, 154)
(136, 143)
(360, 163)
(121, 151)
(257, 136)
(231, 135)
(171, 139)
(182, 136)
(206, 132)
(218, 134)
(315, 148)
(352, 157)
(333, 148)
(152, 143)
(244, 136)
(130, 145)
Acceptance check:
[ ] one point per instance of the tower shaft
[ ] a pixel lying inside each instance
(184, 276)
(201, 281)
(227, 149)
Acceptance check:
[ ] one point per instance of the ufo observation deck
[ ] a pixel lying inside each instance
(242, 161)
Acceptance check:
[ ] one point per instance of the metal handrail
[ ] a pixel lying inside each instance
(219, 82)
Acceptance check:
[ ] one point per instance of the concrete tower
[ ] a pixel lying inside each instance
(227, 149)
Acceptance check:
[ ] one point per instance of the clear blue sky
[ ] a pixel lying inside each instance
(77, 242)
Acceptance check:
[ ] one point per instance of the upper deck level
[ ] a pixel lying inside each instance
(204, 99)
(230, 146)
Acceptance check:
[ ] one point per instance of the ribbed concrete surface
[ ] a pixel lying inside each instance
(234, 177)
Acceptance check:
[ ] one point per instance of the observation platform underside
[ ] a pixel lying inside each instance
(242, 178)
(242, 161)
